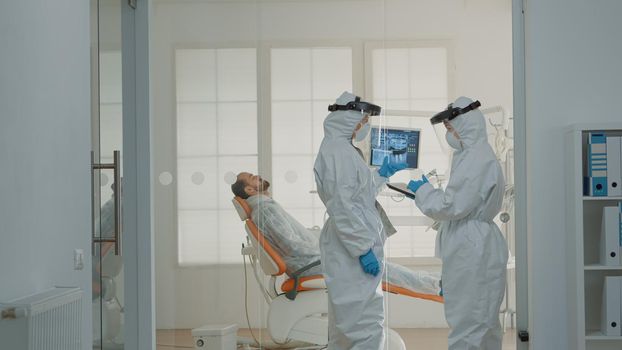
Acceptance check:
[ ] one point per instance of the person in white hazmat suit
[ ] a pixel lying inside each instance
(352, 239)
(471, 246)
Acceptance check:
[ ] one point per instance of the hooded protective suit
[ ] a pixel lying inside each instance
(472, 248)
(348, 189)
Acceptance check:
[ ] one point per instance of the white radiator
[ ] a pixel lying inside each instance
(51, 320)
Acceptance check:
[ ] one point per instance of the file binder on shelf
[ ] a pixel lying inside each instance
(611, 236)
(612, 306)
(614, 169)
(596, 180)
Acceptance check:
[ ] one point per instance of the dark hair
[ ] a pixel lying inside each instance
(238, 189)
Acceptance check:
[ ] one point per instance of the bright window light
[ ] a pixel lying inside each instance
(216, 133)
(304, 81)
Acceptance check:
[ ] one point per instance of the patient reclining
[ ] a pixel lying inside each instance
(299, 246)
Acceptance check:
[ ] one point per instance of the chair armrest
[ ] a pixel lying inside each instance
(291, 295)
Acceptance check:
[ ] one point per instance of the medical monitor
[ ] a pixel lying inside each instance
(400, 144)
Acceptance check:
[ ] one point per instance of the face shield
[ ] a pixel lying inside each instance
(361, 134)
(368, 110)
(440, 130)
(438, 122)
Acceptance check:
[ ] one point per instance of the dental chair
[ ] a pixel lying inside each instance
(300, 312)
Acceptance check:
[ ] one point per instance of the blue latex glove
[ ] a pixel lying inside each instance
(370, 264)
(414, 185)
(387, 169)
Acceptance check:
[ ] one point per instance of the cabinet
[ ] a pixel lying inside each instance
(585, 273)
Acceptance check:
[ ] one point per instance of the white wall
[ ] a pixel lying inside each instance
(45, 139)
(481, 36)
(572, 75)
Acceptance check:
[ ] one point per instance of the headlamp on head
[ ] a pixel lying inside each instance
(357, 105)
(452, 112)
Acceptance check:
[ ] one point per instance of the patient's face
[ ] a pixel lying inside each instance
(254, 183)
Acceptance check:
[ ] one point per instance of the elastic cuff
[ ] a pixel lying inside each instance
(357, 253)
(379, 179)
(424, 191)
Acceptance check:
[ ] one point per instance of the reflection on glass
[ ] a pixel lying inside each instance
(108, 290)
(109, 280)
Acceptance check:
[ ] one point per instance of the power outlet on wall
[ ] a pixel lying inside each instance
(78, 259)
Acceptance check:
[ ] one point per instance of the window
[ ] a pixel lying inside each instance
(216, 137)
(217, 133)
(304, 81)
(411, 79)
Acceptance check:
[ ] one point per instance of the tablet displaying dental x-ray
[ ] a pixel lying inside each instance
(401, 145)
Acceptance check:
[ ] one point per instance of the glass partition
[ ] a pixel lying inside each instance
(242, 87)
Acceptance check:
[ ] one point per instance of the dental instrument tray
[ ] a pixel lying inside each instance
(401, 188)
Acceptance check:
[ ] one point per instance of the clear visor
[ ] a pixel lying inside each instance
(440, 130)
(361, 138)
(379, 123)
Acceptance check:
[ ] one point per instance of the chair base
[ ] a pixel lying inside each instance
(303, 319)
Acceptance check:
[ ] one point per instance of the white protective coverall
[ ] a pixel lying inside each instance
(472, 248)
(348, 189)
(300, 247)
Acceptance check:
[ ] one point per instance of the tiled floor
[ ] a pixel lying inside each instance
(428, 338)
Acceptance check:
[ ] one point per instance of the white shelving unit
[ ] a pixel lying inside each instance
(585, 274)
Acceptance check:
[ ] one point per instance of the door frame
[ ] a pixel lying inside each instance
(523, 305)
(137, 207)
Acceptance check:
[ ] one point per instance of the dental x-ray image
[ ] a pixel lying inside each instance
(401, 145)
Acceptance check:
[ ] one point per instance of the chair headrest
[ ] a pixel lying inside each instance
(242, 207)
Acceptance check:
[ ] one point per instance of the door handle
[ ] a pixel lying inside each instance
(116, 192)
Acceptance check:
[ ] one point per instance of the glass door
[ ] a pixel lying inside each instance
(241, 88)
(107, 101)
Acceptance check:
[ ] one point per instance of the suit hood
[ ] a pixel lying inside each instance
(341, 124)
(471, 126)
